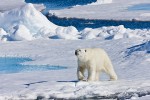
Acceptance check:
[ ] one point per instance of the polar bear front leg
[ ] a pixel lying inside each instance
(80, 73)
(91, 72)
(97, 76)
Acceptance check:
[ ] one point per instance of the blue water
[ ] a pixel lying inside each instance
(80, 24)
(60, 4)
(140, 7)
(13, 65)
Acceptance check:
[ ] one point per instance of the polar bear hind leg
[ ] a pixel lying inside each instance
(110, 71)
(113, 75)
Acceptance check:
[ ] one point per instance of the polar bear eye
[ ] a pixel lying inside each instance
(85, 50)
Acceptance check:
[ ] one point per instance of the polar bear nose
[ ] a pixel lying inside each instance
(76, 52)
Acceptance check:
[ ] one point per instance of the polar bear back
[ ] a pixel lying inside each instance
(99, 57)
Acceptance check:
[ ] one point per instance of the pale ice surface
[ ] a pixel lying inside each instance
(101, 2)
(114, 10)
(129, 57)
(26, 23)
(11, 4)
(114, 32)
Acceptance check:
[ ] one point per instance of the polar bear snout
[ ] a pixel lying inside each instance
(77, 52)
(80, 52)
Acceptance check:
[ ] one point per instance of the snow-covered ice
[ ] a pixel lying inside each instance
(101, 2)
(133, 79)
(114, 32)
(115, 10)
(10, 4)
(54, 45)
(26, 23)
(6, 5)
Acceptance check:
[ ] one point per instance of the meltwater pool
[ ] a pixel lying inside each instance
(14, 65)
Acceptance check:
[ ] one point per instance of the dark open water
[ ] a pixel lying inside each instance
(60, 4)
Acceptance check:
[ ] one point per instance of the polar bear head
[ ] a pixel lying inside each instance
(81, 54)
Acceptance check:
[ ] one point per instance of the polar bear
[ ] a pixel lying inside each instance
(95, 60)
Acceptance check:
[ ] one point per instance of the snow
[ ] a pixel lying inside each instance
(114, 32)
(67, 33)
(6, 5)
(19, 33)
(145, 14)
(113, 10)
(26, 23)
(39, 7)
(49, 44)
(10, 4)
(101, 2)
(143, 98)
(133, 79)
(3, 35)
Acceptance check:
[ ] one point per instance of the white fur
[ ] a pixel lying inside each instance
(95, 60)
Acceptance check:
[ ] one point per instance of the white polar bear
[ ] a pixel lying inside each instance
(95, 60)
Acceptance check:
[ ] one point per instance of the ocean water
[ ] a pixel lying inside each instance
(13, 65)
(60, 4)
(80, 24)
